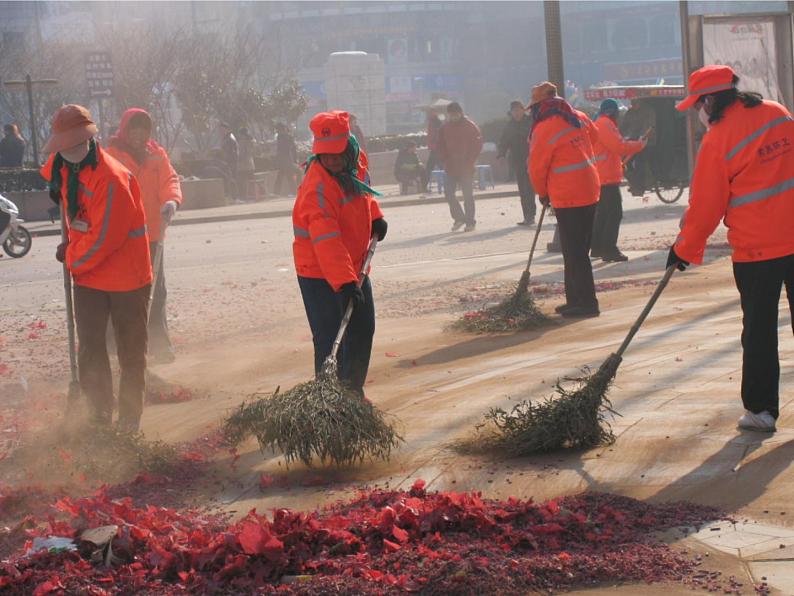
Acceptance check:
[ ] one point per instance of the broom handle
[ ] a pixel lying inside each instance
(535, 241)
(67, 293)
(158, 259)
(373, 243)
(646, 311)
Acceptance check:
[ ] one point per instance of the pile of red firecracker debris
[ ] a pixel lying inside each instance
(380, 542)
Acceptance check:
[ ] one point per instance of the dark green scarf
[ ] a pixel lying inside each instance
(348, 179)
(73, 178)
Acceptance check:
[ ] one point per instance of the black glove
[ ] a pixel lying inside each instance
(60, 252)
(379, 227)
(351, 291)
(545, 201)
(674, 259)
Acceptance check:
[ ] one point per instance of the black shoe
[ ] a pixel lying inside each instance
(562, 308)
(617, 257)
(457, 225)
(594, 254)
(580, 312)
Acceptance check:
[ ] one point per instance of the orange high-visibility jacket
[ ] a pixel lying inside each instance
(561, 162)
(156, 177)
(610, 150)
(744, 175)
(108, 244)
(332, 230)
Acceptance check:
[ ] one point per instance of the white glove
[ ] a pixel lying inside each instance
(168, 210)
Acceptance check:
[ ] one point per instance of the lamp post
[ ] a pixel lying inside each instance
(554, 65)
(28, 85)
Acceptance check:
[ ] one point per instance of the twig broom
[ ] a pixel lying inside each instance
(571, 419)
(515, 312)
(320, 419)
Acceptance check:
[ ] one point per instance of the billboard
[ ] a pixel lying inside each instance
(749, 48)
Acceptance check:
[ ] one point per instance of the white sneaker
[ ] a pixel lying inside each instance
(763, 422)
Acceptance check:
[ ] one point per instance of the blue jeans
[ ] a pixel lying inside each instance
(325, 309)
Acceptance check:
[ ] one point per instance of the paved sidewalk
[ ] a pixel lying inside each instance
(282, 207)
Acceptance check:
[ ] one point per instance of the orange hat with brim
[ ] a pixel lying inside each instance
(542, 91)
(709, 79)
(71, 125)
(331, 132)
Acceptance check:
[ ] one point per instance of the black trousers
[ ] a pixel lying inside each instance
(606, 227)
(465, 181)
(286, 175)
(759, 285)
(525, 190)
(575, 225)
(325, 309)
(433, 163)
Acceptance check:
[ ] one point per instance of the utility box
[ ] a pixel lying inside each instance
(355, 82)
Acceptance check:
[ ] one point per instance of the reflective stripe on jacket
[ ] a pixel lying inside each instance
(744, 175)
(561, 162)
(157, 180)
(332, 229)
(109, 249)
(610, 150)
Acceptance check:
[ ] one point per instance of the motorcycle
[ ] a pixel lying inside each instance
(16, 240)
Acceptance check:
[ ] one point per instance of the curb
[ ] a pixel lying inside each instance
(288, 212)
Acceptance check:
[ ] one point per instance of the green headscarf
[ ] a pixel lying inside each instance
(348, 179)
(73, 178)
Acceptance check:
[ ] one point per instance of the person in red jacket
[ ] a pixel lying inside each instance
(744, 176)
(459, 146)
(610, 150)
(334, 217)
(107, 254)
(133, 146)
(562, 168)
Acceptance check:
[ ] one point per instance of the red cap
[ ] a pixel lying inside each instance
(71, 125)
(706, 80)
(331, 132)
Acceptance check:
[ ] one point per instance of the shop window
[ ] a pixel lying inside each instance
(594, 36)
(630, 33)
(662, 31)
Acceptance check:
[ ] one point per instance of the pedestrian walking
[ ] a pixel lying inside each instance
(459, 146)
(610, 150)
(744, 176)
(230, 154)
(161, 193)
(107, 254)
(334, 217)
(245, 165)
(12, 147)
(563, 172)
(286, 161)
(433, 131)
(515, 142)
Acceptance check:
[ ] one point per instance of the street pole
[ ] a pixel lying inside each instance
(28, 85)
(686, 64)
(554, 57)
(33, 136)
(555, 72)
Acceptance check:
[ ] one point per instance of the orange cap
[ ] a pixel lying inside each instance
(709, 79)
(542, 91)
(331, 132)
(71, 125)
